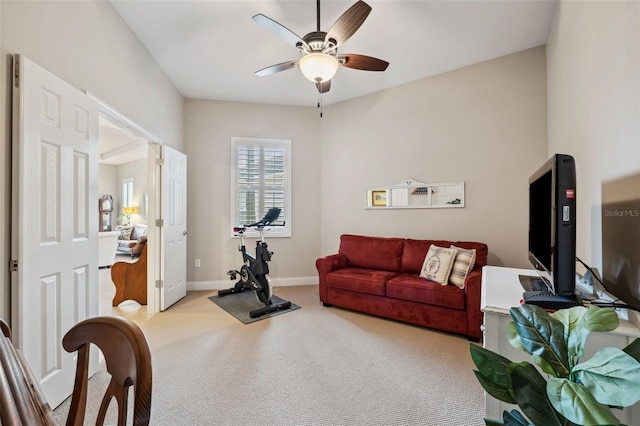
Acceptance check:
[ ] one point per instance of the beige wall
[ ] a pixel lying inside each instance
(209, 127)
(87, 44)
(593, 57)
(484, 124)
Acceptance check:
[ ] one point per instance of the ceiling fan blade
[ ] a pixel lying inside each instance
(277, 68)
(324, 86)
(277, 29)
(362, 62)
(348, 23)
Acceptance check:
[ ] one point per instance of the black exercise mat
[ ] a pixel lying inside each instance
(240, 304)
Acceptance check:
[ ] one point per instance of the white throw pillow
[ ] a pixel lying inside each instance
(437, 264)
(462, 265)
(125, 232)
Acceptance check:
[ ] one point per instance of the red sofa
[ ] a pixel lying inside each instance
(380, 276)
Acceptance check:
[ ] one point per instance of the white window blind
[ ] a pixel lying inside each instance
(260, 180)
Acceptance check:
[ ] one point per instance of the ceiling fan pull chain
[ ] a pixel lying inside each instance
(320, 103)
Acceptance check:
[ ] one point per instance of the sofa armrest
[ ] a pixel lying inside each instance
(324, 265)
(473, 292)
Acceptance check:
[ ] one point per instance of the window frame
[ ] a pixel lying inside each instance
(127, 192)
(270, 231)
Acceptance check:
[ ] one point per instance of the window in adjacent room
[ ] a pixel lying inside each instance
(261, 179)
(127, 192)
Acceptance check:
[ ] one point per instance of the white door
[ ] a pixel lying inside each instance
(174, 230)
(54, 221)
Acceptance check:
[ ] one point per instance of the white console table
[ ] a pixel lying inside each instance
(501, 290)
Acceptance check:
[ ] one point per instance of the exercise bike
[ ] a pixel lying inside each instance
(254, 273)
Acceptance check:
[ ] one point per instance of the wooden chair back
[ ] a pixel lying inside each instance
(127, 359)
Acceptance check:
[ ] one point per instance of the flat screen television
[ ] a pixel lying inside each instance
(552, 225)
(621, 239)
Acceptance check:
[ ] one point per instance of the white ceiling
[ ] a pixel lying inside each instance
(211, 49)
(119, 146)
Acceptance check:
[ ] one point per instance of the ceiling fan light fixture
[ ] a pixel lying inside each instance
(319, 67)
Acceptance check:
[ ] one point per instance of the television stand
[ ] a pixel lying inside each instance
(501, 290)
(549, 300)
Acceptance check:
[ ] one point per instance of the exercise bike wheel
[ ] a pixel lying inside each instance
(264, 289)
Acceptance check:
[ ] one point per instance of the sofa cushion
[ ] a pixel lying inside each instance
(415, 252)
(413, 288)
(437, 264)
(384, 254)
(462, 265)
(361, 280)
(481, 250)
(138, 232)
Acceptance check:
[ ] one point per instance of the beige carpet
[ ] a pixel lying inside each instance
(314, 366)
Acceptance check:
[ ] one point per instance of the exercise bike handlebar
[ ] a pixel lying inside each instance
(257, 225)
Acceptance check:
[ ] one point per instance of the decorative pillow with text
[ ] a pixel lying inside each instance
(438, 263)
(462, 265)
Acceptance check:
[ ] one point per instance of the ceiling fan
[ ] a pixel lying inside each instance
(319, 50)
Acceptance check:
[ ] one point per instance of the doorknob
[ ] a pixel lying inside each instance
(184, 233)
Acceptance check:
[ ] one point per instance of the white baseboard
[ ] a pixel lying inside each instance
(276, 282)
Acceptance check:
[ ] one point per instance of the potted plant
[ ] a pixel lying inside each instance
(575, 391)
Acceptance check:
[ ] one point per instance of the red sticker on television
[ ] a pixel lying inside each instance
(569, 193)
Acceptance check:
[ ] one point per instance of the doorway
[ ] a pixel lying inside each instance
(161, 205)
(127, 173)
(123, 178)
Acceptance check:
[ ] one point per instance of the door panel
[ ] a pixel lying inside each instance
(174, 231)
(54, 222)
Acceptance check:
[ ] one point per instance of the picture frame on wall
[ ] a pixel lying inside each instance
(379, 198)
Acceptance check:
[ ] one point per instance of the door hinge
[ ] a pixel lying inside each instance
(159, 222)
(159, 283)
(160, 161)
(13, 265)
(16, 72)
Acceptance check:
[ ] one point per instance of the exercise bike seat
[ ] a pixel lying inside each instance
(272, 214)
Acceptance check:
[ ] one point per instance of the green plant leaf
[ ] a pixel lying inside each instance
(544, 365)
(492, 372)
(494, 389)
(514, 418)
(542, 335)
(514, 337)
(612, 377)
(514, 340)
(576, 403)
(581, 322)
(529, 391)
(634, 349)
(569, 318)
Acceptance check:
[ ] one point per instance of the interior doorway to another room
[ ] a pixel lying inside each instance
(124, 178)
